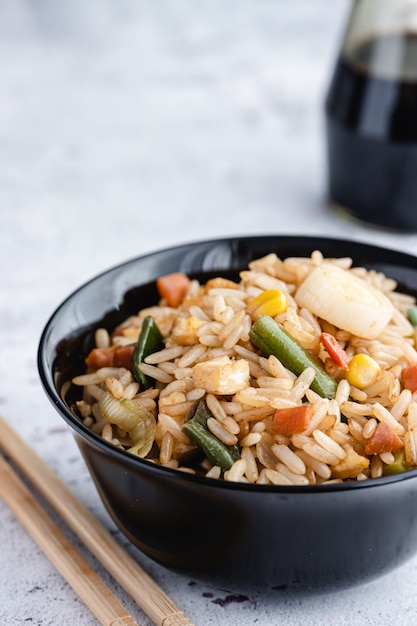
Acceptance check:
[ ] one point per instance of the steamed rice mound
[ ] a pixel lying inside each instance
(363, 432)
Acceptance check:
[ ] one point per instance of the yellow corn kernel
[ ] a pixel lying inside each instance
(362, 371)
(270, 302)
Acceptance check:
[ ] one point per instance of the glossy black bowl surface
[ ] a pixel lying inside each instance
(300, 538)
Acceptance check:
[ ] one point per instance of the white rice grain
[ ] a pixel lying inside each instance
(102, 338)
(214, 472)
(289, 458)
(320, 411)
(236, 472)
(95, 377)
(107, 432)
(401, 405)
(215, 407)
(167, 354)
(114, 386)
(410, 446)
(175, 386)
(321, 454)
(369, 428)
(383, 415)
(356, 430)
(329, 444)
(278, 370)
(376, 467)
(230, 333)
(196, 311)
(342, 392)
(295, 479)
(251, 440)
(259, 427)
(166, 448)
(251, 471)
(182, 372)
(275, 383)
(195, 394)
(302, 383)
(95, 391)
(155, 372)
(169, 368)
(221, 432)
(277, 478)
(192, 356)
(387, 458)
(319, 467)
(249, 355)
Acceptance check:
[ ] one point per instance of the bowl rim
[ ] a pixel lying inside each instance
(80, 430)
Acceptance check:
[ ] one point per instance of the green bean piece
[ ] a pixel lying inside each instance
(215, 450)
(150, 340)
(412, 315)
(271, 338)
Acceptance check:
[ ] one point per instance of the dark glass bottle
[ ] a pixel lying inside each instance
(371, 116)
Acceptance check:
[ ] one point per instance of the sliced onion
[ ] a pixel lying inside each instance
(345, 300)
(132, 417)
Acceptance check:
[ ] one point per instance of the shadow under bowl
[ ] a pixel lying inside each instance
(313, 538)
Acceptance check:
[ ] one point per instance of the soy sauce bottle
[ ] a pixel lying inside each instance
(371, 116)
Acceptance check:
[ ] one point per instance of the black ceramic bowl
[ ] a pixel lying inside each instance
(315, 537)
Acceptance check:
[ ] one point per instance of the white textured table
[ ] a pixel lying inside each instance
(127, 126)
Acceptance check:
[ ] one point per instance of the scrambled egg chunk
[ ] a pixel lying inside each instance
(184, 331)
(222, 376)
(352, 465)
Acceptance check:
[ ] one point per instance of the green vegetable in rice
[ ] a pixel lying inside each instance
(131, 417)
(150, 340)
(399, 465)
(412, 315)
(271, 338)
(215, 450)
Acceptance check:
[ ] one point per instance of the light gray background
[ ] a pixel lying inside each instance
(127, 126)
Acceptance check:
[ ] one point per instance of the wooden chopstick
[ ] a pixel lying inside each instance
(60, 550)
(121, 565)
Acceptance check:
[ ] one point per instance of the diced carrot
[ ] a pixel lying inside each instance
(120, 356)
(173, 287)
(409, 376)
(292, 420)
(123, 356)
(334, 350)
(384, 439)
(100, 357)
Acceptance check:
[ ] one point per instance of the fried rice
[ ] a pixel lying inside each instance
(209, 331)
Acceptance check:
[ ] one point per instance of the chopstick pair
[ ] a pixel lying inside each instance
(60, 551)
(87, 584)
